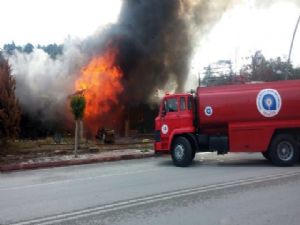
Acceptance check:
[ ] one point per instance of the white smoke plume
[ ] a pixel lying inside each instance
(44, 83)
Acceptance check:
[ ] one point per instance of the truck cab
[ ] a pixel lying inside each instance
(176, 117)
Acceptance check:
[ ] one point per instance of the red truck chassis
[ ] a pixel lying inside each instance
(261, 117)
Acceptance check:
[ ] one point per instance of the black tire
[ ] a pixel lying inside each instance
(266, 155)
(182, 152)
(284, 150)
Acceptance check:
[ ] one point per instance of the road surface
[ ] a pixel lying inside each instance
(226, 190)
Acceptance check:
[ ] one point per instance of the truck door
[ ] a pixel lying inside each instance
(171, 120)
(186, 113)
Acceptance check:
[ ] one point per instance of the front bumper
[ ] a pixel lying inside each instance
(160, 145)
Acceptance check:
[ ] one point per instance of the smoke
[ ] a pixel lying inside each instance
(44, 83)
(155, 39)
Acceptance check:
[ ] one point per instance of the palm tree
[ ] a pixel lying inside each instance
(78, 104)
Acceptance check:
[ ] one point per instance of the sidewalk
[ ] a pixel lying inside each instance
(67, 160)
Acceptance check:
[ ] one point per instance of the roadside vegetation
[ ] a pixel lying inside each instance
(9, 106)
(257, 69)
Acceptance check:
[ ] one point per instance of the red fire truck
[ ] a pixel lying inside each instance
(256, 117)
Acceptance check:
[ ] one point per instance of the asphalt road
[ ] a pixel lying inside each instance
(232, 189)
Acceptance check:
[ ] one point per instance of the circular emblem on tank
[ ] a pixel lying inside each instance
(268, 102)
(165, 129)
(208, 111)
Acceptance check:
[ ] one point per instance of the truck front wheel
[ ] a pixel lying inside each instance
(182, 153)
(283, 150)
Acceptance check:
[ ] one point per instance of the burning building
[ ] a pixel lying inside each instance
(119, 68)
(149, 48)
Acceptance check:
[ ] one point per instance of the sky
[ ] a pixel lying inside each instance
(48, 21)
(245, 29)
(239, 33)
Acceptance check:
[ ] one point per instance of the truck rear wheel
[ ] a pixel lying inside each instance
(182, 153)
(283, 150)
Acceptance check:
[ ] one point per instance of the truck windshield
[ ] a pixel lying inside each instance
(171, 105)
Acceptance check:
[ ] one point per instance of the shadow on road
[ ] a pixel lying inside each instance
(222, 162)
(245, 163)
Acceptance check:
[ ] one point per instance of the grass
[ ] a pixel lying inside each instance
(40, 145)
(48, 146)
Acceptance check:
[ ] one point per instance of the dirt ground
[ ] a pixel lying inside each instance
(23, 150)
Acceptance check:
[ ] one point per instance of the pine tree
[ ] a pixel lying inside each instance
(9, 107)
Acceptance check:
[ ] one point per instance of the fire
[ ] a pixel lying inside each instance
(101, 82)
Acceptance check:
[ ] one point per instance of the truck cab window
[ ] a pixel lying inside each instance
(182, 103)
(171, 105)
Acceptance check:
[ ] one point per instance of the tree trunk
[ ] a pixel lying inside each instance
(76, 138)
(81, 132)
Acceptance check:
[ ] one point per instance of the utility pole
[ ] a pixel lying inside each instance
(292, 44)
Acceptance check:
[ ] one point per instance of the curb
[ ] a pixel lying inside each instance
(72, 162)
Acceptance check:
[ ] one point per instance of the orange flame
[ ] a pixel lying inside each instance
(101, 82)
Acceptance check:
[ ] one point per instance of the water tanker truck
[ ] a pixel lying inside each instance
(255, 117)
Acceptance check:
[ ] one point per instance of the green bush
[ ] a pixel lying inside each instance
(78, 104)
